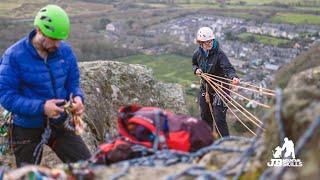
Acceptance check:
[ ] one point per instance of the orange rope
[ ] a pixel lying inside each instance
(218, 93)
(211, 110)
(245, 83)
(263, 105)
(208, 80)
(239, 106)
(270, 94)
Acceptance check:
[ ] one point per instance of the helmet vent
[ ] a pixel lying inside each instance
(45, 18)
(43, 10)
(49, 28)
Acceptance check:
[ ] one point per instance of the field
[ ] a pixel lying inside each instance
(292, 18)
(169, 68)
(27, 9)
(267, 40)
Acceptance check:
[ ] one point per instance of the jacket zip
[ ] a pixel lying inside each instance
(51, 78)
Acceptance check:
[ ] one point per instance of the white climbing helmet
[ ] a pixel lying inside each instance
(205, 34)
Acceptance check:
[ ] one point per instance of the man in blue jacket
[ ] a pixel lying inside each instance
(36, 75)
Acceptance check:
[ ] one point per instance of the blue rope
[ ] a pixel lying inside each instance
(124, 171)
(2, 171)
(44, 140)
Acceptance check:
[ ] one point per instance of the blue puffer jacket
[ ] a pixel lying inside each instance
(27, 81)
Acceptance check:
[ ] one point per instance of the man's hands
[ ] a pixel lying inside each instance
(198, 72)
(77, 106)
(52, 110)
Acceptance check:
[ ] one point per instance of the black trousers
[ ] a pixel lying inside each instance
(68, 146)
(219, 114)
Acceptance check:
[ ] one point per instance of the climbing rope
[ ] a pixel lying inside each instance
(254, 89)
(215, 86)
(2, 171)
(228, 100)
(234, 92)
(223, 172)
(123, 172)
(45, 136)
(168, 157)
(73, 123)
(207, 98)
(198, 171)
(224, 99)
(213, 83)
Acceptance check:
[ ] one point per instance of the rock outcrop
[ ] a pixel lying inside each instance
(308, 78)
(299, 108)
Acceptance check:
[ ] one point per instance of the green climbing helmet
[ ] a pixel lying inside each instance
(53, 22)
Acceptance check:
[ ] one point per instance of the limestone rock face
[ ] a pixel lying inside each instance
(299, 108)
(310, 77)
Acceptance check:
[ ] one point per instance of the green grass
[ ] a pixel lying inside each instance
(153, 5)
(294, 18)
(238, 15)
(267, 40)
(168, 68)
(199, 5)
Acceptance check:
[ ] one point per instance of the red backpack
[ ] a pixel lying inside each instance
(154, 128)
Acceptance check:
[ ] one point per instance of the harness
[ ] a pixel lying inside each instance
(72, 123)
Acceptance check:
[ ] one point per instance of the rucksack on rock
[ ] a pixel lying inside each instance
(154, 128)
